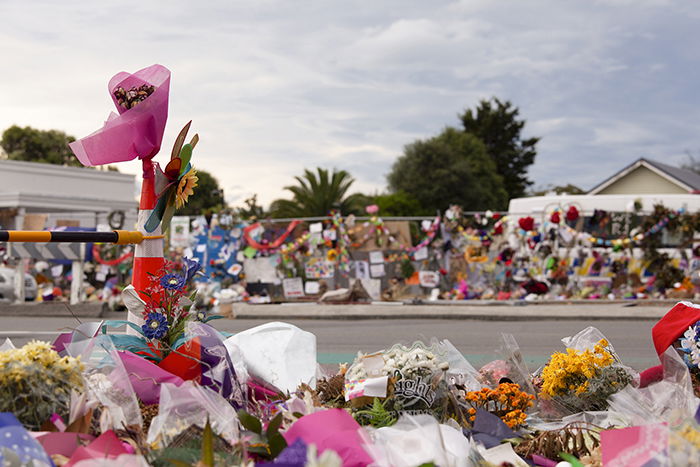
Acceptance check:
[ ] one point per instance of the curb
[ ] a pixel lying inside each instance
(54, 309)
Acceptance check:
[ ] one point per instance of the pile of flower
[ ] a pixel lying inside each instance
(583, 380)
(506, 401)
(35, 382)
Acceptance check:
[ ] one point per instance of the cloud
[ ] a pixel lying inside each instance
(274, 87)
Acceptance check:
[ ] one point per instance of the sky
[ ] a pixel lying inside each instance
(274, 87)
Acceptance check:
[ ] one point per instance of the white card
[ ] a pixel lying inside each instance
(316, 227)
(311, 287)
(421, 254)
(57, 271)
(376, 257)
(376, 270)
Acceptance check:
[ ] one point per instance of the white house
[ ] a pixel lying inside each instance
(68, 195)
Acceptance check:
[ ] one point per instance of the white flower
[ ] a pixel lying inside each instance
(690, 338)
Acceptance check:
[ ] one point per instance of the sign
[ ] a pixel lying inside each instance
(180, 231)
(430, 279)
(58, 251)
(319, 268)
(293, 287)
(376, 257)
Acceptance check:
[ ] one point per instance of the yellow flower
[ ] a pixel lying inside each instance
(186, 188)
(332, 255)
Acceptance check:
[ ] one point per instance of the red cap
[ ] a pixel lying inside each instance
(674, 324)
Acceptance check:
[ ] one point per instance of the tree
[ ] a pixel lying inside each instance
(568, 189)
(451, 168)
(316, 194)
(207, 196)
(33, 145)
(399, 203)
(497, 125)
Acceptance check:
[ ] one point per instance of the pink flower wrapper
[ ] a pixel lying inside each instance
(333, 429)
(136, 132)
(146, 377)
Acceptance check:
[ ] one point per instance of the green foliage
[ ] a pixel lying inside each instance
(250, 210)
(265, 444)
(496, 123)
(377, 415)
(399, 203)
(32, 145)
(451, 168)
(316, 194)
(207, 196)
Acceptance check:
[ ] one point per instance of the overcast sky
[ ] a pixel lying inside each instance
(277, 86)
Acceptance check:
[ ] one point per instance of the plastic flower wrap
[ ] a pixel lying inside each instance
(36, 382)
(583, 377)
(412, 377)
(141, 99)
(689, 346)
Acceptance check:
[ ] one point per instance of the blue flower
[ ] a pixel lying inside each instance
(173, 281)
(156, 326)
(200, 315)
(191, 267)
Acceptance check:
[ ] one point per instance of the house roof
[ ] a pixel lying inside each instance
(686, 179)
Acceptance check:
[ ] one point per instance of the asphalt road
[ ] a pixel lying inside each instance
(339, 340)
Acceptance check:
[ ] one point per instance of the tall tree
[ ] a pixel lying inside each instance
(316, 194)
(33, 145)
(451, 168)
(207, 196)
(496, 123)
(399, 203)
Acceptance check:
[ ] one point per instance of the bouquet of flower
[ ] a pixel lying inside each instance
(689, 346)
(36, 383)
(168, 309)
(415, 376)
(506, 401)
(581, 380)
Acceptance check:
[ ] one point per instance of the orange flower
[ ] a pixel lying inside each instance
(185, 188)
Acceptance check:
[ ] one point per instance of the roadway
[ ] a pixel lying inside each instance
(339, 340)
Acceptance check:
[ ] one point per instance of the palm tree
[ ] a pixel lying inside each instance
(316, 194)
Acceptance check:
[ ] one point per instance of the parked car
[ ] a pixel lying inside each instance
(7, 286)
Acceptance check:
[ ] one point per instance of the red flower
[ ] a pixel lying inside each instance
(443, 271)
(498, 230)
(496, 216)
(555, 218)
(526, 223)
(572, 214)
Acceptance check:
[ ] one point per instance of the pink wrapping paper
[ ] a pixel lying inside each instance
(333, 429)
(106, 446)
(135, 132)
(146, 377)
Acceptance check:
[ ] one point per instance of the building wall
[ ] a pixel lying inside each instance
(642, 181)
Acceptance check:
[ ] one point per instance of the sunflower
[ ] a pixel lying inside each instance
(332, 255)
(185, 188)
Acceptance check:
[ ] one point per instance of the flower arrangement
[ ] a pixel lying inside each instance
(506, 401)
(690, 346)
(582, 380)
(169, 308)
(36, 382)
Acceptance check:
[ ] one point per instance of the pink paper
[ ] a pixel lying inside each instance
(146, 377)
(63, 443)
(106, 446)
(333, 429)
(633, 446)
(136, 132)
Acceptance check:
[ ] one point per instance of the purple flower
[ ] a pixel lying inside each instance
(201, 315)
(191, 267)
(173, 281)
(293, 455)
(156, 326)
